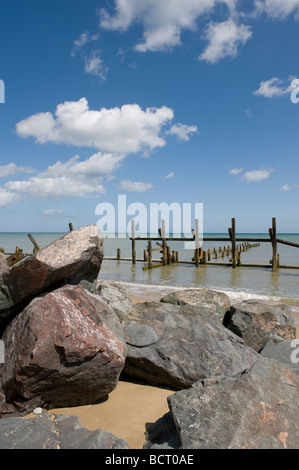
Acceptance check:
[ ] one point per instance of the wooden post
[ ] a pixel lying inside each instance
(133, 242)
(118, 254)
(272, 232)
(196, 243)
(145, 256)
(168, 255)
(232, 234)
(150, 254)
(36, 247)
(176, 256)
(204, 257)
(209, 254)
(164, 244)
(71, 227)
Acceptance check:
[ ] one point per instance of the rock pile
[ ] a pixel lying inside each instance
(69, 338)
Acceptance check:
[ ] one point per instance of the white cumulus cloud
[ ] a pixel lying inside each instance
(236, 171)
(163, 21)
(224, 40)
(135, 186)
(257, 175)
(273, 88)
(182, 131)
(277, 9)
(12, 169)
(123, 130)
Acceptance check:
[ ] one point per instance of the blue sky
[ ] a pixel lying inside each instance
(175, 101)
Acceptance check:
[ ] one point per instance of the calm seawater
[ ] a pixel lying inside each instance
(237, 283)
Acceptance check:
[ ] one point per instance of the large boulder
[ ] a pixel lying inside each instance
(64, 349)
(176, 345)
(255, 410)
(207, 299)
(257, 320)
(115, 296)
(77, 255)
(50, 431)
(283, 350)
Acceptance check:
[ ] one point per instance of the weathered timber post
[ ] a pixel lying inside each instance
(272, 232)
(133, 242)
(164, 244)
(71, 227)
(150, 254)
(145, 256)
(168, 255)
(36, 247)
(196, 243)
(118, 254)
(232, 234)
(204, 257)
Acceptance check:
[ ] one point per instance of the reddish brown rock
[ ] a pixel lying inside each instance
(255, 321)
(77, 255)
(64, 349)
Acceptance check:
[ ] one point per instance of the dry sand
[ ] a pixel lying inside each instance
(130, 408)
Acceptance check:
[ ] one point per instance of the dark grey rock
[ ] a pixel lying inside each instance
(176, 345)
(70, 259)
(115, 296)
(208, 299)
(255, 410)
(54, 432)
(283, 350)
(162, 434)
(256, 321)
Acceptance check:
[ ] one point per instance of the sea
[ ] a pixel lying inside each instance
(239, 284)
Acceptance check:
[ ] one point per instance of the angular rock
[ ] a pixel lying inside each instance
(256, 321)
(283, 350)
(176, 345)
(257, 410)
(3, 264)
(115, 296)
(77, 255)
(50, 431)
(64, 349)
(207, 299)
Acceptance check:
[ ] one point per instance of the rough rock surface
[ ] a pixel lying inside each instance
(115, 296)
(207, 299)
(77, 255)
(283, 350)
(64, 349)
(3, 264)
(176, 345)
(50, 431)
(256, 321)
(256, 410)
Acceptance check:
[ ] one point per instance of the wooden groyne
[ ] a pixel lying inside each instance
(236, 245)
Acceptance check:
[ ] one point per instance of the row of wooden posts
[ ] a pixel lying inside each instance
(204, 257)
